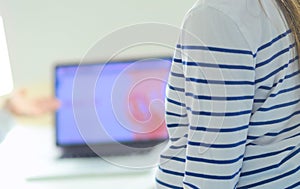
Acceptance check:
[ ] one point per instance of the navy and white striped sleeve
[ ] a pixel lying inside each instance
(209, 104)
(172, 161)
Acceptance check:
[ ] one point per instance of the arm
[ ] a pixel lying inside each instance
(218, 73)
(220, 65)
(177, 123)
(20, 105)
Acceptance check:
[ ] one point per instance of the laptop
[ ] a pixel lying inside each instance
(111, 111)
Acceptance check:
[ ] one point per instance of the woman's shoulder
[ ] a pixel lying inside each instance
(236, 9)
(247, 15)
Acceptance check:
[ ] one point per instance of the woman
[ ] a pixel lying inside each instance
(233, 98)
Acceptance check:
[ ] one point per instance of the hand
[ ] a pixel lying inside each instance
(19, 104)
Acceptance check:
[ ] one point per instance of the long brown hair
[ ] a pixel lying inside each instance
(291, 11)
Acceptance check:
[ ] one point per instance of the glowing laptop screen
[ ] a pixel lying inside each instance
(128, 101)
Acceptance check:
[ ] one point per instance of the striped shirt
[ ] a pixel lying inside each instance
(233, 100)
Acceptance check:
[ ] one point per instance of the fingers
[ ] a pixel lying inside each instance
(47, 105)
(42, 106)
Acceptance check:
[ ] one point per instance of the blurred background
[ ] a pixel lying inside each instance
(42, 33)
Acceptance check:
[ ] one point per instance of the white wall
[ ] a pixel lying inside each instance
(42, 32)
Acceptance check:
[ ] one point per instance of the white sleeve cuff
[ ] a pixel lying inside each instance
(7, 122)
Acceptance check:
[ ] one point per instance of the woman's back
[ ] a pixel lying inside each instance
(233, 101)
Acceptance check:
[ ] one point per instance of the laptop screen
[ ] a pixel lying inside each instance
(127, 104)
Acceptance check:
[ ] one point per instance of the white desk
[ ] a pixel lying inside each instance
(26, 147)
